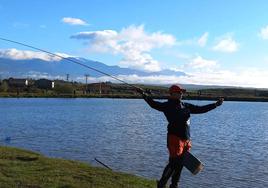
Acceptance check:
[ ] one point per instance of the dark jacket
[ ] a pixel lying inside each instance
(178, 114)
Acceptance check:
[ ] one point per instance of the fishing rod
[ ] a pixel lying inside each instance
(69, 60)
(106, 166)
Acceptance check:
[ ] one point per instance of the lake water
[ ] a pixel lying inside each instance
(129, 136)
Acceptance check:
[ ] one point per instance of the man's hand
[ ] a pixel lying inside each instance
(140, 91)
(219, 101)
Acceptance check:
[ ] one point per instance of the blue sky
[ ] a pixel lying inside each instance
(213, 42)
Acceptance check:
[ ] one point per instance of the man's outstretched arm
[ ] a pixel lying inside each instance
(154, 104)
(194, 109)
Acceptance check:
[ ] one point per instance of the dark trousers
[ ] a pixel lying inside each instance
(173, 170)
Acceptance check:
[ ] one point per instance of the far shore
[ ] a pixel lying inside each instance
(128, 96)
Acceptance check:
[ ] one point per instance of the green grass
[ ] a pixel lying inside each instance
(21, 168)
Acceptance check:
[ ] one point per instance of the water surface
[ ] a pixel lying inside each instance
(129, 136)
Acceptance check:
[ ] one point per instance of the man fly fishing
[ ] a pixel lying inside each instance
(176, 112)
(178, 136)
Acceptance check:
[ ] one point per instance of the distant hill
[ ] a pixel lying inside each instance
(34, 67)
(208, 87)
(37, 68)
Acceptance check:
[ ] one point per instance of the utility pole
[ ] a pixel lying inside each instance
(100, 88)
(86, 75)
(67, 77)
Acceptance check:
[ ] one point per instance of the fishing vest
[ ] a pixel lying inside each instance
(178, 116)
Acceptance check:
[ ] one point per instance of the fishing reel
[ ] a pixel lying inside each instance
(144, 91)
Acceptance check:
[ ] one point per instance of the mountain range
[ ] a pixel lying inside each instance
(38, 68)
(35, 67)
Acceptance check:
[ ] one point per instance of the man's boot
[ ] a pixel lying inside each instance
(177, 173)
(159, 185)
(168, 171)
(173, 186)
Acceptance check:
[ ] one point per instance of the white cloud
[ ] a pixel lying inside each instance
(199, 62)
(73, 21)
(264, 33)
(100, 41)
(43, 26)
(20, 25)
(244, 78)
(202, 41)
(180, 55)
(195, 41)
(38, 75)
(140, 61)
(133, 43)
(265, 60)
(176, 69)
(62, 55)
(226, 44)
(25, 55)
(144, 41)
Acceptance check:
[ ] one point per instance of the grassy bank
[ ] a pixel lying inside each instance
(21, 168)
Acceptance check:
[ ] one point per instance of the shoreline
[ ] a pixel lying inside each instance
(115, 96)
(24, 168)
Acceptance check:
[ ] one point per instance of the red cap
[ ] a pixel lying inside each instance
(176, 89)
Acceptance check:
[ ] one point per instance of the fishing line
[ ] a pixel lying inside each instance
(68, 59)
